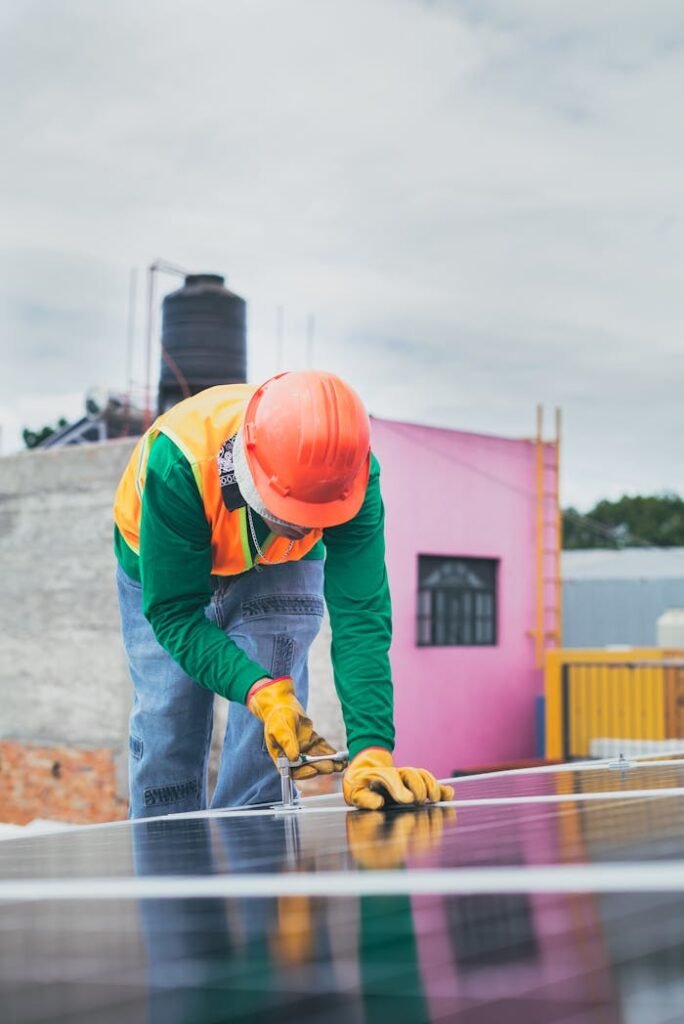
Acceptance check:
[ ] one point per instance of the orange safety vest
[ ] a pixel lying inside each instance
(198, 426)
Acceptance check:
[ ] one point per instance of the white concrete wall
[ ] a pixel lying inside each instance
(62, 671)
(324, 707)
(63, 677)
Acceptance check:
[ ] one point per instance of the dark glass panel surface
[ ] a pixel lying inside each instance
(523, 957)
(582, 958)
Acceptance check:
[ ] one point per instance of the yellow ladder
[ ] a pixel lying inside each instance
(549, 597)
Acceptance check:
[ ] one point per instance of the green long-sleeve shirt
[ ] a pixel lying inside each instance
(174, 568)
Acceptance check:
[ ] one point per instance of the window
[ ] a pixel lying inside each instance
(490, 930)
(456, 601)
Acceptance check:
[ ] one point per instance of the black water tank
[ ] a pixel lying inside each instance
(203, 339)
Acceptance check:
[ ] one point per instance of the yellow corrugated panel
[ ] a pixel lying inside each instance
(622, 705)
(596, 679)
(634, 690)
(553, 706)
(611, 699)
(571, 706)
(613, 703)
(674, 702)
(662, 700)
(656, 683)
(574, 702)
(651, 726)
(602, 697)
(586, 709)
(580, 703)
(629, 701)
(650, 704)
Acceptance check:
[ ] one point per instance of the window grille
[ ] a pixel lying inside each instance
(457, 605)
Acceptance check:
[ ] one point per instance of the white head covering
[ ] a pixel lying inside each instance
(246, 484)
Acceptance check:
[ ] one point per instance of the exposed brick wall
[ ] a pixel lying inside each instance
(63, 783)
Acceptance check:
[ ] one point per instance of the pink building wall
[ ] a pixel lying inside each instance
(452, 493)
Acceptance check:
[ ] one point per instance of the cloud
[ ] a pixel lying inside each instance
(480, 202)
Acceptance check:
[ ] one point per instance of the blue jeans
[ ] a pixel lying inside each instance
(273, 614)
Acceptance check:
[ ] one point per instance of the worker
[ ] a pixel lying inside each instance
(240, 510)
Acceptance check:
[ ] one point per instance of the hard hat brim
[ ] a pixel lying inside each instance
(316, 515)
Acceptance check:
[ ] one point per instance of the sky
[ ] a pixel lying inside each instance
(480, 202)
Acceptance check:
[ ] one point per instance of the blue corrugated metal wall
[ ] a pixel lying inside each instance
(601, 612)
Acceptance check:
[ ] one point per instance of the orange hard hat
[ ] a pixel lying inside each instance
(306, 441)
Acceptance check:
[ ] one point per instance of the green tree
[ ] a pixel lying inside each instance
(32, 438)
(639, 521)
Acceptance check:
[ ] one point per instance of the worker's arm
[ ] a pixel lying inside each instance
(358, 600)
(357, 594)
(175, 565)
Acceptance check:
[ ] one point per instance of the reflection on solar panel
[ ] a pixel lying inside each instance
(537, 896)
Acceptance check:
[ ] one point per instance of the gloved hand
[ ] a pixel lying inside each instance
(372, 780)
(287, 729)
(381, 840)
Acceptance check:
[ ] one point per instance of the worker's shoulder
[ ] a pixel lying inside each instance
(166, 458)
(207, 398)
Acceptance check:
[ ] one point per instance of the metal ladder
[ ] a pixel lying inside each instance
(549, 599)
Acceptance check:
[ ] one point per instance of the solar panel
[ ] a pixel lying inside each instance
(538, 896)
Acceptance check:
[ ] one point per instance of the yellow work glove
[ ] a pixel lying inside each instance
(288, 731)
(381, 840)
(372, 780)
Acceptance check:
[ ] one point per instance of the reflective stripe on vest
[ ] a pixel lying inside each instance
(198, 426)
